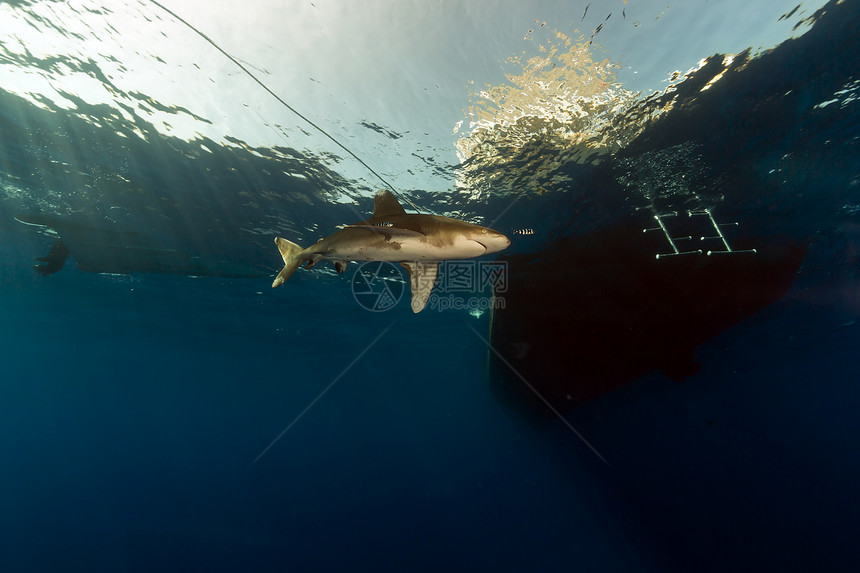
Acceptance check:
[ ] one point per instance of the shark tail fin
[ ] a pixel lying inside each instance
(291, 253)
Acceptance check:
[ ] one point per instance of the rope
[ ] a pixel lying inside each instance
(285, 104)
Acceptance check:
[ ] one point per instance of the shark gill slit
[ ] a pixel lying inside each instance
(284, 103)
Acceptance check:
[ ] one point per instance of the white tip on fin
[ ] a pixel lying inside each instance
(422, 277)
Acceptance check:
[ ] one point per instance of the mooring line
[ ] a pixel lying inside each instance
(284, 103)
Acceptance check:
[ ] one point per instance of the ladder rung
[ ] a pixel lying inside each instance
(666, 255)
(751, 251)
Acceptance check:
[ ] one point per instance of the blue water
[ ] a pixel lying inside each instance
(133, 416)
(134, 408)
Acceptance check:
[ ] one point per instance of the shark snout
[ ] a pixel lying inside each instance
(493, 241)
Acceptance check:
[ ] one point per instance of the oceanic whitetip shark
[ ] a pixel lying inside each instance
(418, 242)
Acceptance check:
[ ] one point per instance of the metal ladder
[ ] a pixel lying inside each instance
(673, 241)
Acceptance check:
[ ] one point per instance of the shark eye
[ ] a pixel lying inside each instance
(484, 231)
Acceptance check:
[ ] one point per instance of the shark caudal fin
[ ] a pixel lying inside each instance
(290, 252)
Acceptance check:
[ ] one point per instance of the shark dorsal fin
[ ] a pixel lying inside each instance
(386, 205)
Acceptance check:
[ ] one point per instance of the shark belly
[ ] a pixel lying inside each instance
(409, 249)
(362, 244)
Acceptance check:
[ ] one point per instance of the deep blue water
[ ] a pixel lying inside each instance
(133, 419)
(133, 407)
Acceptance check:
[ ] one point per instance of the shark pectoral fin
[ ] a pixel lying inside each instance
(291, 253)
(422, 277)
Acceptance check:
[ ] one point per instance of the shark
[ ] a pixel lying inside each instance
(417, 241)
